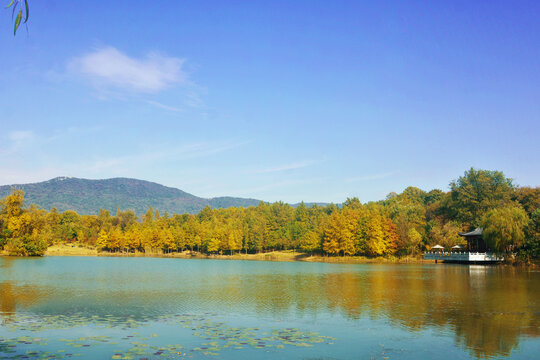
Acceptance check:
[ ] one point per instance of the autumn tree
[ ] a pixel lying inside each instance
(376, 241)
(332, 234)
(311, 242)
(340, 232)
(414, 240)
(20, 232)
(407, 212)
(445, 234)
(103, 240)
(528, 197)
(401, 224)
(148, 218)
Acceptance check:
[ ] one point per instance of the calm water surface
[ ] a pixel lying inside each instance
(150, 308)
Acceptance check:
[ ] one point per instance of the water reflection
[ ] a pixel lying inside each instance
(13, 297)
(488, 309)
(6, 262)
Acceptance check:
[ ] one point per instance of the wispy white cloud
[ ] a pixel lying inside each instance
(203, 149)
(163, 106)
(261, 189)
(110, 68)
(21, 140)
(193, 99)
(148, 156)
(14, 141)
(20, 135)
(109, 166)
(371, 177)
(71, 131)
(284, 167)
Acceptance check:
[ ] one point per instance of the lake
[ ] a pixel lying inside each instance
(148, 308)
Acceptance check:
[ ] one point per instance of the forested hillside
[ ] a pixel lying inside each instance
(89, 196)
(402, 224)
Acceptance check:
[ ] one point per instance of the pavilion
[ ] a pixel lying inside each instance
(475, 242)
(477, 251)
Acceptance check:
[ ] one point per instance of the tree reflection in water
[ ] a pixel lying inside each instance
(488, 308)
(13, 297)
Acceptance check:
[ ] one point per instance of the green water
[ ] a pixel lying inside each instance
(151, 308)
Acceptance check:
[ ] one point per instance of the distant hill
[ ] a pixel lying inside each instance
(310, 204)
(88, 196)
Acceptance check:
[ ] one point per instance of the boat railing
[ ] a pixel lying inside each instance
(444, 253)
(462, 256)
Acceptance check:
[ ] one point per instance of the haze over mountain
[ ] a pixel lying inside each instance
(89, 196)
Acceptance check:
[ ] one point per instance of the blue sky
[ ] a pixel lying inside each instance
(275, 100)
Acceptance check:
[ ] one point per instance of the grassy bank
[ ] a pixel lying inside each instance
(70, 250)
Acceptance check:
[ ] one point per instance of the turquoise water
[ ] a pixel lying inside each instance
(155, 308)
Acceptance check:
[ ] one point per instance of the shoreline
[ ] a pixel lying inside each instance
(278, 256)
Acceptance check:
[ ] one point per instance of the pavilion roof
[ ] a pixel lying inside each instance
(475, 232)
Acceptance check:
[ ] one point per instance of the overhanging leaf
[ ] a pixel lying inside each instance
(14, 9)
(17, 22)
(27, 11)
(11, 3)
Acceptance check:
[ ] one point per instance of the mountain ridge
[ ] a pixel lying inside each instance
(88, 196)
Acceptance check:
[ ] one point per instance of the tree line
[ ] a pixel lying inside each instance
(402, 224)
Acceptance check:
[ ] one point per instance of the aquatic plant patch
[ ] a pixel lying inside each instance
(142, 338)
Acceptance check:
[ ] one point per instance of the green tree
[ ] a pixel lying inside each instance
(531, 247)
(477, 192)
(352, 203)
(433, 196)
(529, 198)
(126, 218)
(397, 225)
(414, 194)
(503, 228)
(105, 220)
(446, 234)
